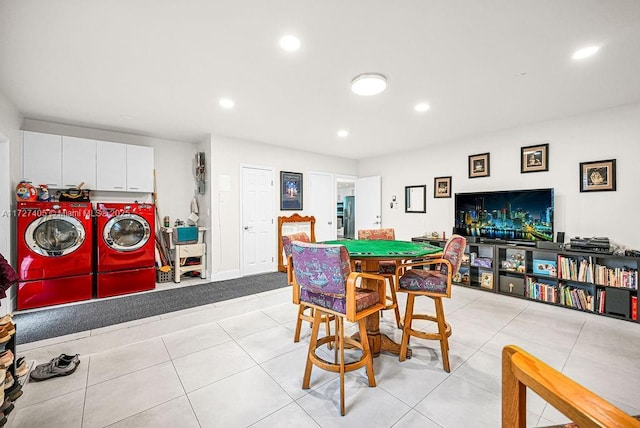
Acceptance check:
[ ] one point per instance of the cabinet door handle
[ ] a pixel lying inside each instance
(134, 188)
(52, 184)
(118, 187)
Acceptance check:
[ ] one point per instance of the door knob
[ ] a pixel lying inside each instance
(247, 227)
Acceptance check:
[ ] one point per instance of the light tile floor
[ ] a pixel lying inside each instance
(234, 364)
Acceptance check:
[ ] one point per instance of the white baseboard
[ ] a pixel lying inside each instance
(224, 275)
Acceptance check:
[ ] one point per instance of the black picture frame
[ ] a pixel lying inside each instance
(442, 187)
(534, 158)
(479, 165)
(290, 191)
(415, 199)
(598, 176)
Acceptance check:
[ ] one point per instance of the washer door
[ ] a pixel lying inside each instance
(126, 232)
(55, 235)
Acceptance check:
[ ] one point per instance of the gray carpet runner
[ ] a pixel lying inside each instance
(58, 321)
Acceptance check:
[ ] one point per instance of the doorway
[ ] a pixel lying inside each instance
(345, 207)
(257, 231)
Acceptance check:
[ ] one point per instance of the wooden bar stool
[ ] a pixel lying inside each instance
(323, 273)
(435, 284)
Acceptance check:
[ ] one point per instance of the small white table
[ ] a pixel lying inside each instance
(182, 251)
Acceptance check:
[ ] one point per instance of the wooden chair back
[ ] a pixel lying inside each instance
(297, 221)
(521, 370)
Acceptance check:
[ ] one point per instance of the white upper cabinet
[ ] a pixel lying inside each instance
(42, 159)
(64, 162)
(78, 162)
(111, 166)
(139, 169)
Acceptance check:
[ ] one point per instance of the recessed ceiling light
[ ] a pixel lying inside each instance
(585, 52)
(421, 107)
(367, 84)
(226, 103)
(290, 43)
(343, 133)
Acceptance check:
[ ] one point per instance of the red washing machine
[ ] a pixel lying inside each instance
(125, 248)
(54, 247)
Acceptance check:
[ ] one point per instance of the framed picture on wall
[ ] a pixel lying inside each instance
(534, 158)
(442, 187)
(479, 165)
(598, 176)
(290, 190)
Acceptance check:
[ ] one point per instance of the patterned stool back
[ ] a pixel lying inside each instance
(453, 252)
(321, 272)
(288, 239)
(387, 234)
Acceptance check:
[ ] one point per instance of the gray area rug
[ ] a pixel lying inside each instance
(58, 321)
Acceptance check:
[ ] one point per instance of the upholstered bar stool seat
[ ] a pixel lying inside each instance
(323, 274)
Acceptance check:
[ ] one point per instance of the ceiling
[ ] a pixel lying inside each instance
(159, 67)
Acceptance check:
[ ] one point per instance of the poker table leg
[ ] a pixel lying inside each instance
(378, 342)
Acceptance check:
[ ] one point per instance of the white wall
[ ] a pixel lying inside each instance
(228, 155)
(608, 134)
(10, 122)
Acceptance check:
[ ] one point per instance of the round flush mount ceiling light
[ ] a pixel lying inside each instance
(343, 133)
(367, 84)
(585, 52)
(226, 103)
(422, 107)
(290, 43)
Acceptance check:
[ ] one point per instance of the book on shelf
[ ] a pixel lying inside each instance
(601, 299)
(621, 277)
(634, 307)
(576, 298)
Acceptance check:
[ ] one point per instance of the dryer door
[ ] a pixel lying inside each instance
(55, 235)
(126, 232)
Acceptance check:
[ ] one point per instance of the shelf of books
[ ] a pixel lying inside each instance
(598, 283)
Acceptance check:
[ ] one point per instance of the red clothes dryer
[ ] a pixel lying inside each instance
(54, 247)
(125, 248)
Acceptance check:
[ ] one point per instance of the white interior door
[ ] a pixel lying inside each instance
(322, 205)
(257, 227)
(368, 206)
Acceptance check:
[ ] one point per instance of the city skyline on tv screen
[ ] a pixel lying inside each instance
(521, 215)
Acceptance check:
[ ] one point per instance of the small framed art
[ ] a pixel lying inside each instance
(486, 280)
(534, 158)
(479, 165)
(442, 187)
(290, 190)
(598, 176)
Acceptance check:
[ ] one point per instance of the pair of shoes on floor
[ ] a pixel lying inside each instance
(62, 365)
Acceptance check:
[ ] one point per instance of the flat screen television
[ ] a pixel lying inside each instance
(518, 216)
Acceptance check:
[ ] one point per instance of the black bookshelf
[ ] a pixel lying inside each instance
(603, 284)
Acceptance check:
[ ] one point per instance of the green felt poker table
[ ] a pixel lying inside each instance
(378, 249)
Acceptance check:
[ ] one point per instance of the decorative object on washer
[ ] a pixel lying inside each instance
(26, 192)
